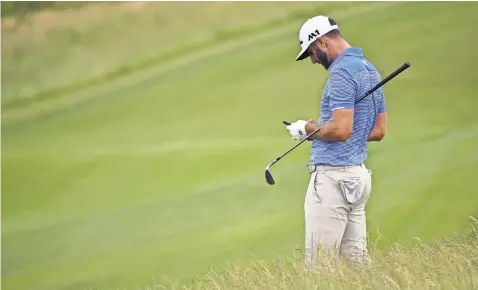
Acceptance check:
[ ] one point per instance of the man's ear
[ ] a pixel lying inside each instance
(322, 43)
(319, 42)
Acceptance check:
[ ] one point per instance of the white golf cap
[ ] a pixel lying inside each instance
(312, 29)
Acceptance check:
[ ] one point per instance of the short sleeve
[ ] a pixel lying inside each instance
(343, 90)
(383, 106)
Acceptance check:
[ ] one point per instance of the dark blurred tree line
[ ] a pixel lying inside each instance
(21, 9)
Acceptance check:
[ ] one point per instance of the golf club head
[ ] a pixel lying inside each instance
(269, 177)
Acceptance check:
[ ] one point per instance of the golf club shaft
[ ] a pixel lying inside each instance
(384, 81)
(301, 141)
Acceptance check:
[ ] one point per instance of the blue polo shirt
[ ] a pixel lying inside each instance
(350, 77)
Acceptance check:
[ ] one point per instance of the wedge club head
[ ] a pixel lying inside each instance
(269, 177)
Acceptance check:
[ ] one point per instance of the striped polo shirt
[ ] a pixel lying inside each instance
(350, 77)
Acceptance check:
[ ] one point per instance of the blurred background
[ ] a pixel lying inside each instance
(135, 134)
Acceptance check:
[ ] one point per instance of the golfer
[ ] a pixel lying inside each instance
(340, 183)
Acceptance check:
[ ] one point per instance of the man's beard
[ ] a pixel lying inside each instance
(323, 58)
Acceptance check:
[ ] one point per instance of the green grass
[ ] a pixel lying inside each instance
(162, 172)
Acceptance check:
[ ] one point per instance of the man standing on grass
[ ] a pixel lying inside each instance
(340, 184)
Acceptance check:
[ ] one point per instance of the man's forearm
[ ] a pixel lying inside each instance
(327, 132)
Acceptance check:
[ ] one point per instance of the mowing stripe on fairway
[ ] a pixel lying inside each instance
(245, 181)
(440, 145)
(217, 145)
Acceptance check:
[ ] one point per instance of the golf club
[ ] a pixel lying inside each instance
(270, 179)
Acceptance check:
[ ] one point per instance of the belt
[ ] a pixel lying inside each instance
(312, 168)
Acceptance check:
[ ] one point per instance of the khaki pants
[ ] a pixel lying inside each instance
(335, 211)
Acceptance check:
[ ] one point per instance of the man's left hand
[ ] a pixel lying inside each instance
(297, 130)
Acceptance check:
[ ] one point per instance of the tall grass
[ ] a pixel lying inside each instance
(446, 263)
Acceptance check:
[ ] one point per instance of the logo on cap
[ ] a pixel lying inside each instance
(312, 35)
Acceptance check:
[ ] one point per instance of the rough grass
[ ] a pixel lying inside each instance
(446, 263)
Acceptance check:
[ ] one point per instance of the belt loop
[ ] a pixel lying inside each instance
(312, 168)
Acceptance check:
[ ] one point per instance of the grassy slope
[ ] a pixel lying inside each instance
(81, 45)
(165, 175)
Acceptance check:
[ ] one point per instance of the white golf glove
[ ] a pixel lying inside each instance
(297, 130)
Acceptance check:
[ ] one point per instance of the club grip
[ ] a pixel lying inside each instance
(392, 75)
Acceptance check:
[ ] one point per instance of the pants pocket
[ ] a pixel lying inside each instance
(351, 189)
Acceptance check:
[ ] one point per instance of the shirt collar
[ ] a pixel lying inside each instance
(351, 51)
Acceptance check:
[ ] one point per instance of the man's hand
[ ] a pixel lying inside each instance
(311, 126)
(379, 129)
(297, 130)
